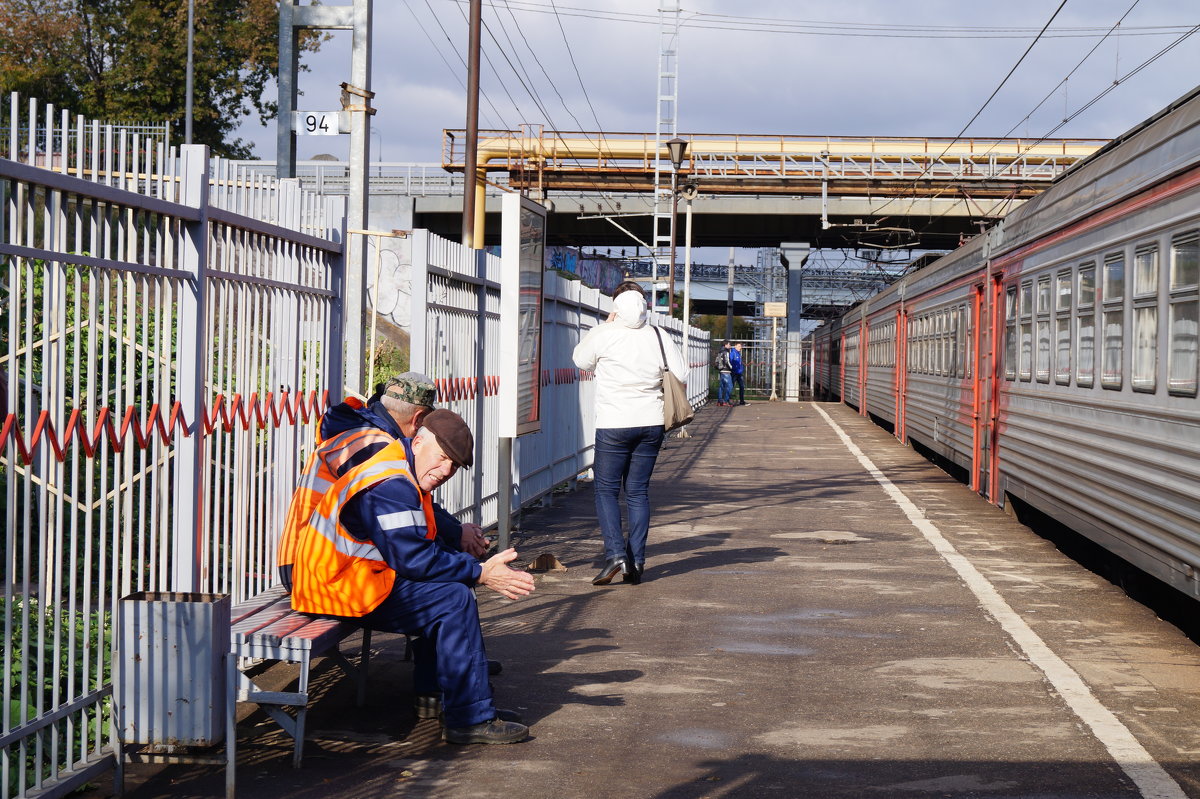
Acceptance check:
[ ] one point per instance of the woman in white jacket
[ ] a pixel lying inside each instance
(625, 355)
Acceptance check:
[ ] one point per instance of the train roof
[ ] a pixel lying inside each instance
(1154, 150)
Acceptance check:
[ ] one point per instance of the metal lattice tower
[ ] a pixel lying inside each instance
(666, 127)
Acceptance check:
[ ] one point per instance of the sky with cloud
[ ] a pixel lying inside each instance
(858, 68)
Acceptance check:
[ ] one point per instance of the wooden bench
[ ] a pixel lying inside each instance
(265, 627)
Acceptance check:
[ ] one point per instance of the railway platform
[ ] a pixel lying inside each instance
(824, 614)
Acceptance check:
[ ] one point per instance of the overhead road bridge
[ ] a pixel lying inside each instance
(752, 191)
(759, 164)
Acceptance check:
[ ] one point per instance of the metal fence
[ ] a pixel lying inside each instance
(767, 368)
(455, 316)
(159, 357)
(169, 329)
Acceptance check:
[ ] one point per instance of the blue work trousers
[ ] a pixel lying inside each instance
(725, 387)
(624, 458)
(448, 656)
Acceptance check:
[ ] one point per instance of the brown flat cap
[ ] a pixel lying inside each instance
(411, 387)
(453, 435)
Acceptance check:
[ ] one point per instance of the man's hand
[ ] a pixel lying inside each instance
(473, 541)
(503, 580)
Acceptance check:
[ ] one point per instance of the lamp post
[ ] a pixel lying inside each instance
(676, 147)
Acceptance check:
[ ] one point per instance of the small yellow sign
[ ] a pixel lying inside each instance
(774, 309)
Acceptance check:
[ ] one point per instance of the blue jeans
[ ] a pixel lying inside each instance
(725, 389)
(624, 457)
(741, 386)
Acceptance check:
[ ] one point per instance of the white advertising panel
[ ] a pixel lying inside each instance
(522, 265)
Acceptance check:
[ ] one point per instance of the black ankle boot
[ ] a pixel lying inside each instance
(612, 568)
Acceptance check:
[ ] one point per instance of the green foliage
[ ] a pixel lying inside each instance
(37, 679)
(715, 325)
(126, 60)
(389, 359)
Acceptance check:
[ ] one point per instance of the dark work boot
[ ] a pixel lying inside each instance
(429, 706)
(488, 732)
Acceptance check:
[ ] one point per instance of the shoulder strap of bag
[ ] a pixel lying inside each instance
(661, 349)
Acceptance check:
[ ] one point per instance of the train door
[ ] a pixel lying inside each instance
(864, 351)
(988, 339)
(901, 369)
(978, 387)
(841, 350)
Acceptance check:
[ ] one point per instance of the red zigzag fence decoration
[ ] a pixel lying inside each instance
(227, 413)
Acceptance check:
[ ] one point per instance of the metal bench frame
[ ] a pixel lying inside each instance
(265, 627)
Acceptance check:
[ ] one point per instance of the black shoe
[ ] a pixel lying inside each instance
(634, 575)
(495, 731)
(611, 569)
(494, 667)
(429, 706)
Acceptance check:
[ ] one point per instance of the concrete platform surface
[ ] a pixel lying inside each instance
(808, 627)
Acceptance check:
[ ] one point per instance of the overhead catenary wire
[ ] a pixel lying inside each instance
(729, 22)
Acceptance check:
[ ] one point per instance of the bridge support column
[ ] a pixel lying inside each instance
(793, 255)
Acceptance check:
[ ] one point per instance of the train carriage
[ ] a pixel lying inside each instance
(1056, 357)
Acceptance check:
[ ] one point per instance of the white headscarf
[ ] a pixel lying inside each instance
(631, 309)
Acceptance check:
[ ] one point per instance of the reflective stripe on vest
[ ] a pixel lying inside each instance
(335, 572)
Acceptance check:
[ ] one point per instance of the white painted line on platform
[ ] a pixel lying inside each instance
(1151, 779)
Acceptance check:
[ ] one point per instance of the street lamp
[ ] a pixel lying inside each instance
(676, 147)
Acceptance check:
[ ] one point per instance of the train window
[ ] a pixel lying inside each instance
(1062, 294)
(1114, 339)
(968, 326)
(1062, 328)
(1183, 353)
(1114, 278)
(1185, 260)
(1087, 285)
(1025, 368)
(1113, 320)
(1043, 329)
(1145, 348)
(1010, 335)
(1181, 369)
(1043, 295)
(1145, 271)
(1085, 356)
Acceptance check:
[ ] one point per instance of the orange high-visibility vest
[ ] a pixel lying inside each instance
(336, 572)
(320, 473)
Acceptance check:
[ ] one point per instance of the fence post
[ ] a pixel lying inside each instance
(418, 289)
(335, 224)
(194, 360)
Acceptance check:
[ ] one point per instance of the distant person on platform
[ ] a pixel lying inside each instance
(370, 553)
(627, 358)
(735, 361)
(724, 364)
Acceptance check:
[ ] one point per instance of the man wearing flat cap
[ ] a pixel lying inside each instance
(370, 551)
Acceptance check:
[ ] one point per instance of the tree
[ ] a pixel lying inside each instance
(126, 60)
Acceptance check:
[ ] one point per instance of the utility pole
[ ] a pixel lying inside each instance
(729, 299)
(471, 158)
(191, 37)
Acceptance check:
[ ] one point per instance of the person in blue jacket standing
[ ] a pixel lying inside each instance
(724, 375)
(738, 368)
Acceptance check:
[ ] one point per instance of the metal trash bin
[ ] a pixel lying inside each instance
(170, 681)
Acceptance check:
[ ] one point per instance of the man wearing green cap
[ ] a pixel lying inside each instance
(351, 432)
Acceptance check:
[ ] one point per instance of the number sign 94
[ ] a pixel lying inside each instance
(317, 123)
